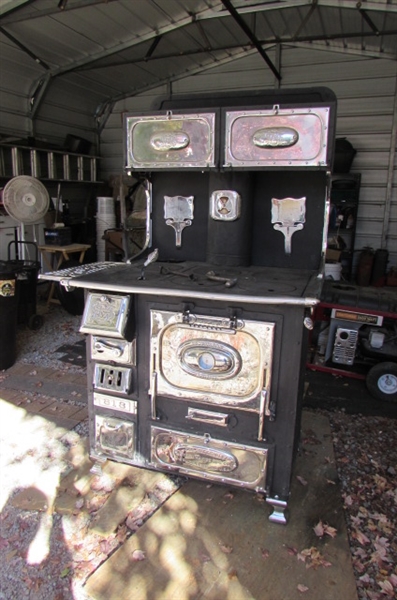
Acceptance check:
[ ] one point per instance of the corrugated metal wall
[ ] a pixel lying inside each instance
(67, 107)
(366, 92)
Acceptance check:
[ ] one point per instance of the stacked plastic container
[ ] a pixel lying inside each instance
(105, 219)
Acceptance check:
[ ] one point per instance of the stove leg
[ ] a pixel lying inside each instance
(279, 507)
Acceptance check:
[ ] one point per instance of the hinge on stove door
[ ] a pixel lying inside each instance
(266, 409)
(153, 389)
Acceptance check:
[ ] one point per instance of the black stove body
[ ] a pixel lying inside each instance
(196, 354)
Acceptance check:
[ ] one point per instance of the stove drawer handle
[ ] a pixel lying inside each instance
(206, 416)
(101, 346)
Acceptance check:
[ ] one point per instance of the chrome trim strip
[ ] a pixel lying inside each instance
(135, 289)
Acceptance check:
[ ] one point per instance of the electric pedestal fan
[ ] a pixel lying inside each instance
(26, 200)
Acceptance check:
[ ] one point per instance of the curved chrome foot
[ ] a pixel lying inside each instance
(278, 514)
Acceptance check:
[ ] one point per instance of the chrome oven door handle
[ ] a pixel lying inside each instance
(206, 416)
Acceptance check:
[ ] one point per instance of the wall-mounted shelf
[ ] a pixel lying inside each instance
(47, 165)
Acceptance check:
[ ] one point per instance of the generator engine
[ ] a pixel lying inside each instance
(364, 345)
(378, 343)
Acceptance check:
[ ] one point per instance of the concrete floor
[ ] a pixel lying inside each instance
(214, 542)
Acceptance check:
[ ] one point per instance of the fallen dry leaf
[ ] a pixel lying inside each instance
(302, 588)
(138, 555)
(3, 543)
(360, 537)
(204, 558)
(319, 529)
(386, 588)
(301, 480)
(313, 558)
(229, 495)
(232, 574)
(79, 503)
(104, 483)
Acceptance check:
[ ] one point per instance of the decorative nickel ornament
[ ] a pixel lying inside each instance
(225, 205)
(288, 216)
(178, 214)
(164, 141)
(275, 137)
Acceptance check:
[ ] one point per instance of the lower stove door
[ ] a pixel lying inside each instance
(208, 458)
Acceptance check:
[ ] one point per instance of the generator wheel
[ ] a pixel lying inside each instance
(382, 381)
(35, 322)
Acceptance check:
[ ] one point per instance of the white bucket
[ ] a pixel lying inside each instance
(333, 271)
(105, 205)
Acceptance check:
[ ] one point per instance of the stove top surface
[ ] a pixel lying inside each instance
(192, 278)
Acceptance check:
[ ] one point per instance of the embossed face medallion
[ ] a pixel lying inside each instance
(225, 205)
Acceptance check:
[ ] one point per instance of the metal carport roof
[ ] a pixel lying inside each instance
(114, 49)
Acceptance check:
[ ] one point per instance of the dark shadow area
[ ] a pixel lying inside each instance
(331, 392)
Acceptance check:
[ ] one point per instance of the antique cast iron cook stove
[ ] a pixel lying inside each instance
(196, 352)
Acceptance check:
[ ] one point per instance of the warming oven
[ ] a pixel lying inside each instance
(196, 347)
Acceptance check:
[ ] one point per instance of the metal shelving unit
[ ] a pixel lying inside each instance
(47, 165)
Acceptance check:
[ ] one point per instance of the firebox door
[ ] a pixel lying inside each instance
(212, 360)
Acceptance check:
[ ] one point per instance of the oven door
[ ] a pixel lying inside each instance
(212, 360)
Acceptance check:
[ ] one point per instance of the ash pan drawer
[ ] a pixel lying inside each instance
(205, 457)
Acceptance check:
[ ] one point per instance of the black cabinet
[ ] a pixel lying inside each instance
(345, 191)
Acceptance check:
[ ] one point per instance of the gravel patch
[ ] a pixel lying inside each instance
(40, 347)
(366, 456)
